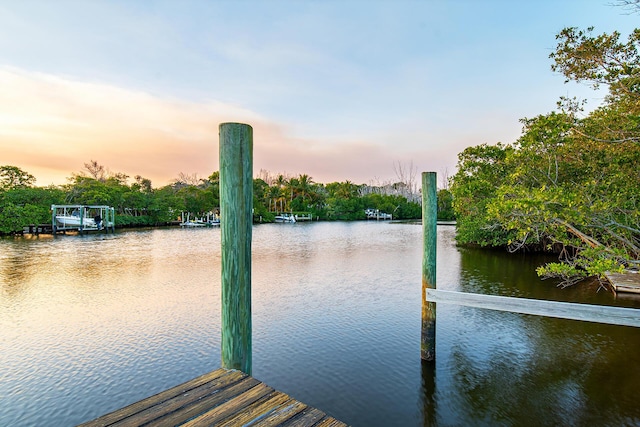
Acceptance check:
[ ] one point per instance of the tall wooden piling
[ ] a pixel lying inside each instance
(236, 205)
(429, 242)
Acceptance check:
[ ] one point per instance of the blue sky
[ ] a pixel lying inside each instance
(340, 90)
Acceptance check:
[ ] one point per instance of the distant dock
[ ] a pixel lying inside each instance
(627, 282)
(222, 397)
(82, 218)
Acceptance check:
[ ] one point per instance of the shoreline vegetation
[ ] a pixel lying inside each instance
(138, 204)
(570, 185)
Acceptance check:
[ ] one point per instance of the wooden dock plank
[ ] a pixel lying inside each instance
(307, 418)
(239, 404)
(156, 411)
(281, 414)
(257, 410)
(216, 414)
(219, 398)
(330, 422)
(198, 406)
(627, 282)
(127, 411)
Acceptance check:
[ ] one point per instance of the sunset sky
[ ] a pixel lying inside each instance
(339, 90)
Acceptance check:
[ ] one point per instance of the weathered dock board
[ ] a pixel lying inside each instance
(220, 398)
(563, 310)
(628, 282)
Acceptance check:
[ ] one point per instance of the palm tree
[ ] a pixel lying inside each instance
(305, 186)
(347, 190)
(281, 181)
(273, 193)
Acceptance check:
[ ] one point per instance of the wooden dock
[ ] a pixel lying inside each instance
(562, 310)
(627, 282)
(220, 398)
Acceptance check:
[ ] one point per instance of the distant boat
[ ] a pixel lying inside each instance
(285, 218)
(376, 214)
(194, 223)
(209, 222)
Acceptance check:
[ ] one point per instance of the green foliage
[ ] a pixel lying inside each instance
(139, 204)
(14, 218)
(134, 221)
(602, 59)
(562, 193)
(12, 177)
(445, 205)
(333, 201)
(568, 184)
(570, 274)
(22, 206)
(481, 171)
(589, 262)
(260, 211)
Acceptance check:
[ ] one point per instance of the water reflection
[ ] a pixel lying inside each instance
(429, 403)
(97, 316)
(547, 377)
(496, 368)
(92, 323)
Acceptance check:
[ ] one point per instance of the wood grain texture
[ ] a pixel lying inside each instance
(627, 282)
(199, 405)
(429, 243)
(563, 310)
(236, 206)
(307, 418)
(130, 410)
(219, 398)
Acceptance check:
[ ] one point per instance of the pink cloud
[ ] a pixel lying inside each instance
(51, 126)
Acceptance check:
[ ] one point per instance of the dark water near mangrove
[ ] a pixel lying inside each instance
(89, 324)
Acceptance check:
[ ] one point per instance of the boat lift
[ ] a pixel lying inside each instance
(83, 218)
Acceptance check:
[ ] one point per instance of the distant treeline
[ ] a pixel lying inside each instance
(137, 203)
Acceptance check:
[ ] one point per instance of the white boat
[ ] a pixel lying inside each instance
(195, 223)
(285, 218)
(74, 220)
(376, 214)
(211, 221)
(82, 217)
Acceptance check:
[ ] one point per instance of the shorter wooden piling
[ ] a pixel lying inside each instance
(429, 230)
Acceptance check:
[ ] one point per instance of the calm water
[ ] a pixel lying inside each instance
(90, 324)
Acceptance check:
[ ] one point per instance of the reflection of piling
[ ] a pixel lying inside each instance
(236, 202)
(429, 232)
(428, 395)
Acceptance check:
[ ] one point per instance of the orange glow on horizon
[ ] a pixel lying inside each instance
(50, 127)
